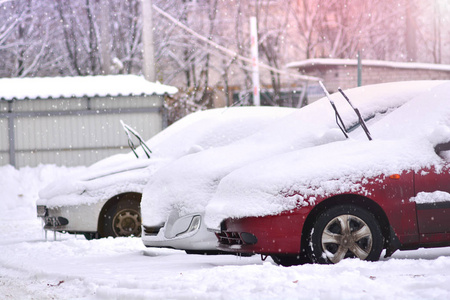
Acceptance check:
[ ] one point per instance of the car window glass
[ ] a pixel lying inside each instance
(443, 150)
(445, 155)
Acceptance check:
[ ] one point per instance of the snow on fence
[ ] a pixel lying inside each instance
(75, 120)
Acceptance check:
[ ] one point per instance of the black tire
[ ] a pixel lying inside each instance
(91, 235)
(203, 252)
(345, 231)
(123, 219)
(287, 260)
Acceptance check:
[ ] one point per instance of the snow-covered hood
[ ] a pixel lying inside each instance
(116, 178)
(189, 183)
(403, 141)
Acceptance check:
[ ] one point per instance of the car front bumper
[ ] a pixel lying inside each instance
(198, 239)
(72, 219)
(269, 235)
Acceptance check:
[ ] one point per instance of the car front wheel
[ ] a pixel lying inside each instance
(288, 260)
(123, 219)
(345, 231)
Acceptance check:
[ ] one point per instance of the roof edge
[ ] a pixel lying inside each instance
(366, 62)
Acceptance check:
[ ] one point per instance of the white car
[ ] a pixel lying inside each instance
(174, 201)
(104, 199)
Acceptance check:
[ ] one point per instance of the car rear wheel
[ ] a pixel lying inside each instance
(345, 231)
(123, 219)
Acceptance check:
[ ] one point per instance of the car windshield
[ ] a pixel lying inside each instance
(371, 118)
(361, 121)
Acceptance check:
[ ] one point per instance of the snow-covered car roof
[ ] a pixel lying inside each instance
(403, 140)
(189, 183)
(195, 132)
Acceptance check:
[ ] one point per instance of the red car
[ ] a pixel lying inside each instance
(349, 199)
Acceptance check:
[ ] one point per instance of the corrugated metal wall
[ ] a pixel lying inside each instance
(73, 132)
(4, 144)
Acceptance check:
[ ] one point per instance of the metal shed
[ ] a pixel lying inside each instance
(75, 120)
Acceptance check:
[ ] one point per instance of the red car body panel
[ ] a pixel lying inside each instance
(275, 234)
(433, 218)
(387, 197)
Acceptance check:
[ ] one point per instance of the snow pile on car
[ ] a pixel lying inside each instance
(403, 140)
(213, 128)
(197, 131)
(434, 197)
(188, 184)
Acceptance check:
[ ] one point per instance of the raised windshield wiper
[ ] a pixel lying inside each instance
(361, 120)
(130, 132)
(339, 121)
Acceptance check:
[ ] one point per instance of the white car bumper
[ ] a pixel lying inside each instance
(79, 218)
(185, 233)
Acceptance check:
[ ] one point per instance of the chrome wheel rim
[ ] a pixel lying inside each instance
(126, 223)
(346, 236)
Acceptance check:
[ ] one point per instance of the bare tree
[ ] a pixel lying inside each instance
(272, 33)
(306, 15)
(23, 39)
(433, 31)
(341, 28)
(48, 38)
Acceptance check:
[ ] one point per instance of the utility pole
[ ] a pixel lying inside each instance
(105, 38)
(255, 61)
(147, 37)
(411, 46)
(359, 69)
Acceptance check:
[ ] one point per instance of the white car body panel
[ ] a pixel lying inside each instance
(79, 215)
(174, 235)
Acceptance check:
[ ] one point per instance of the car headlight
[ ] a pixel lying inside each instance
(195, 225)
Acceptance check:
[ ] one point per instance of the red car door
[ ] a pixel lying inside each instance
(432, 197)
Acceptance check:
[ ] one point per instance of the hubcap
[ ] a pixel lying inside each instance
(127, 222)
(346, 236)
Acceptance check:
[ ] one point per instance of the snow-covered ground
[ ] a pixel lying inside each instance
(71, 267)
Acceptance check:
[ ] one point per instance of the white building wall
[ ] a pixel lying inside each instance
(78, 131)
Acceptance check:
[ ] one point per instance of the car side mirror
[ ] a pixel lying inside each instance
(442, 147)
